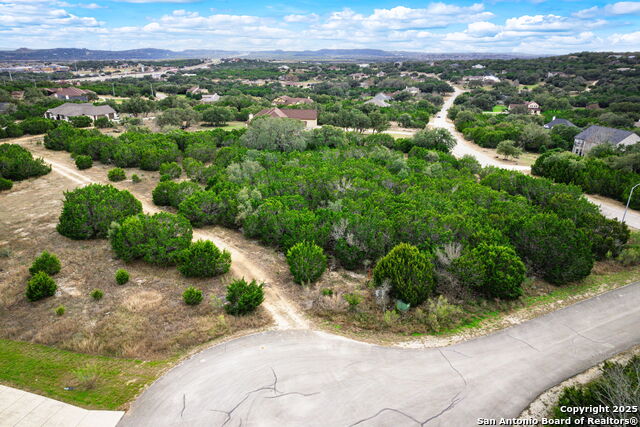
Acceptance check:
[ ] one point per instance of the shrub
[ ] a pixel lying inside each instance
(83, 162)
(203, 259)
(40, 286)
(629, 256)
(97, 294)
(122, 276)
(306, 262)
(116, 174)
(5, 184)
(243, 297)
(554, 248)
(438, 314)
(170, 193)
(47, 262)
(37, 125)
(60, 310)
(157, 239)
(135, 178)
(102, 123)
(409, 271)
(81, 121)
(353, 300)
(17, 163)
(172, 169)
(327, 292)
(192, 296)
(494, 270)
(210, 207)
(88, 212)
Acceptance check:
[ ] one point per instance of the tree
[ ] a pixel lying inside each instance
(409, 271)
(178, 117)
(272, 133)
(88, 212)
(306, 262)
(534, 137)
(40, 286)
(325, 136)
(217, 116)
(203, 259)
(81, 121)
(507, 148)
(136, 106)
(435, 139)
(379, 121)
(243, 297)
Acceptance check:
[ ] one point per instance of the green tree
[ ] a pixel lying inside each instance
(508, 148)
(217, 116)
(409, 271)
(203, 259)
(243, 297)
(435, 139)
(40, 286)
(307, 262)
(272, 133)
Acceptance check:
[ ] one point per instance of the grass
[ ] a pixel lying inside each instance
(234, 125)
(499, 108)
(47, 371)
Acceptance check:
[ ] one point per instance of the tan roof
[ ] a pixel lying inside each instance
(72, 110)
(289, 113)
(289, 100)
(68, 91)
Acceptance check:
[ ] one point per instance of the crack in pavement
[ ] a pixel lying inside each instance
(454, 401)
(273, 387)
(586, 337)
(184, 404)
(453, 367)
(522, 341)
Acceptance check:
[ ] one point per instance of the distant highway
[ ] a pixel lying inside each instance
(155, 74)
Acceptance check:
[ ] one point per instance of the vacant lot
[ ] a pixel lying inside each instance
(144, 318)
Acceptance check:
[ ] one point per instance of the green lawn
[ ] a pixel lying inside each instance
(47, 371)
(234, 125)
(499, 108)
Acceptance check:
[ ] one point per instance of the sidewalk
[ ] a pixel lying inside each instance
(20, 408)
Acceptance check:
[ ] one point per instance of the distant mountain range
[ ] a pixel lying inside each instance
(71, 54)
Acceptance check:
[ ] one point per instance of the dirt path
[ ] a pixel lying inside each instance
(284, 313)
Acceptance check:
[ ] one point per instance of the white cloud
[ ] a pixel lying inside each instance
(312, 17)
(623, 8)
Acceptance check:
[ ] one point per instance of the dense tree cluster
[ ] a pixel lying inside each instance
(17, 163)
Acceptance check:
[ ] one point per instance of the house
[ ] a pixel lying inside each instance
(556, 122)
(483, 79)
(17, 94)
(597, 135)
(531, 106)
(289, 100)
(412, 90)
(358, 76)
(208, 99)
(593, 107)
(7, 108)
(308, 117)
(68, 110)
(69, 93)
(478, 66)
(378, 102)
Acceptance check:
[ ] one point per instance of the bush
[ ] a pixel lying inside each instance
(307, 262)
(135, 178)
(172, 169)
(37, 125)
(629, 256)
(88, 212)
(96, 294)
(81, 121)
(47, 262)
(60, 310)
(409, 271)
(192, 296)
(170, 193)
(122, 276)
(5, 184)
(353, 300)
(203, 259)
(17, 163)
(438, 314)
(40, 286)
(554, 248)
(243, 297)
(84, 162)
(157, 239)
(103, 122)
(497, 271)
(116, 174)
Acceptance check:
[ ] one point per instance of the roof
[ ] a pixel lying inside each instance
(70, 110)
(556, 122)
(378, 102)
(601, 134)
(289, 113)
(382, 96)
(4, 107)
(289, 100)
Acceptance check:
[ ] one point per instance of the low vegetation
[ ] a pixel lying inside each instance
(242, 297)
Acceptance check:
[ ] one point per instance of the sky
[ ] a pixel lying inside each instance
(509, 26)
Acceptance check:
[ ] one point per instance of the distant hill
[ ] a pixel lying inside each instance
(72, 54)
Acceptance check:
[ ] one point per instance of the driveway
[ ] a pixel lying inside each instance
(309, 378)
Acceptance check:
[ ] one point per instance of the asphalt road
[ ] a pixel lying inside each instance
(308, 378)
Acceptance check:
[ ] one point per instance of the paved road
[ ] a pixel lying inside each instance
(609, 208)
(22, 409)
(307, 378)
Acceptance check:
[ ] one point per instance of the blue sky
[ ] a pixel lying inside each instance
(521, 26)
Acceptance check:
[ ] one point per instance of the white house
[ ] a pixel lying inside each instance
(597, 135)
(68, 110)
